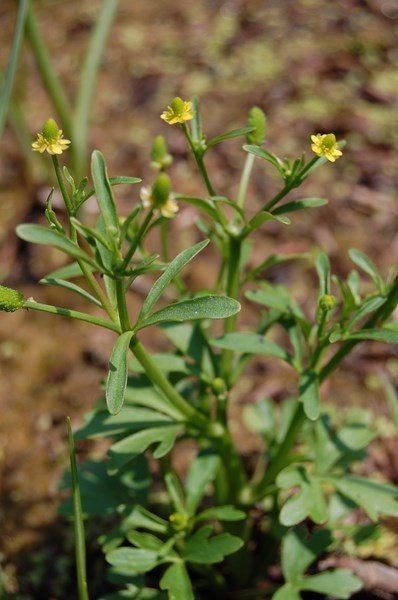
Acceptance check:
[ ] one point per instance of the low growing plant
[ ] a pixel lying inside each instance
(213, 529)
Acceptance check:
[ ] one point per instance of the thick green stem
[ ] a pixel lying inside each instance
(232, 290)
(282, 456)
(122, 305)
(159, 380)
(86, 90)
(47, 73)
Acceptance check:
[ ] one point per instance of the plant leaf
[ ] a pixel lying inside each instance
(222, 513)
(300, 550)
(309, 394)
(381, 335)
(177, 582)
(372, 496)
(201, 472)
(132, 560)
(363, 262)
(229, 135)
(299, 205)
(199, 549)
(309, 501)
(38, 234)
(167, 277)
(203, 307)
(117, 376)
(133, 445)
(72, 287)
(103, 190)
(339, 583)
(250, 343)
(287, 592)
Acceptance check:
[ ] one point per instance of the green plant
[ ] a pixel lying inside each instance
(211, 532)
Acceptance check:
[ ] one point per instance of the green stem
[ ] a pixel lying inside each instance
(284, 191)
(80, 544)
(136, 241)
(6, 88)
(73, 314)
(281, 458)
(86, 90)
(47, 73)
(122, 305)
(232, 290)
(62, 187)
(199, 160)
(160, 381)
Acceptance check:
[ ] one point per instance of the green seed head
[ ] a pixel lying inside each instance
(161, 159)
(50, 130)
(10, 300)
(258, 120)
(177, 105)
(161, 190)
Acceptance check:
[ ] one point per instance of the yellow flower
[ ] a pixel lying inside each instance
(178, 112)
(50, 139)
(160, 197)
(326, 145)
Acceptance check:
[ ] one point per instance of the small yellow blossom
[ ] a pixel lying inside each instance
(326, 145)
(178, 112)
(160, 197)
(50, 139)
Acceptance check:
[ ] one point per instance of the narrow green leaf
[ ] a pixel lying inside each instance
(309, 394)
(264, 154)
(177, 582)
(203, 307)
(37, 234)
(363, 262)
(130, 561)
(367, 307)
(299, 205)
(323, 270)
(201, 203)
(229, 135)
(251, 343)
(103, 190)
(201, 472)
(117, 376)
(121, 179)
(133, 418)
(262, 217)
(388, 336)
(339, 583)
(222, 513)
(68, 272)
(279, 298)
(170, 273)
(72, 287)
(6, 88)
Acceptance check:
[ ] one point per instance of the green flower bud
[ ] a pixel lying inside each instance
(161, 159)
(178, 521)
(327, 302)
(258, 120)
(10, 300)
(161, 190)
